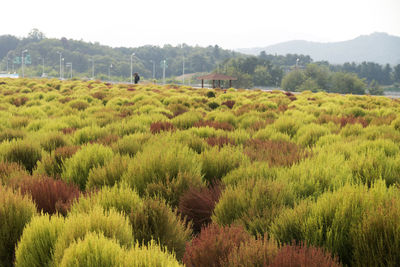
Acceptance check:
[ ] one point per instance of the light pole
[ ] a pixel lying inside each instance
(131, 65)
(69, 64)
(297, 62)
(164, 61)
(22, 62)
(62, 77)
(58, 52)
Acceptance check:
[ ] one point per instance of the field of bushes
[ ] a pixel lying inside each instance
(97, 174)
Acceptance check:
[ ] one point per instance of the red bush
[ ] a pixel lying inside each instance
(197, 205)
(106, 140)
(20, 101)
(49, 195)
(353, 120)
(157, 127)
(226, 126)
(229, 103)
(68, 130)
(213, 245)
(343, 121)
(276, 153)
(303, 256)
(220, 141)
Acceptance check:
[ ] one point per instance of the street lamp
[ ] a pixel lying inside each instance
(131, 65)
(62, 68)
(69, 64)
(7, 63)
(22, 63)
(60, 53)
(297, 62)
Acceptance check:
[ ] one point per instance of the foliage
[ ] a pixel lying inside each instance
(156, 220)
(36, 246)
(197, 205)
(110, 223)
(15, 212)
(213, 245)
(49, 195)
(164, 170)
(77, 168)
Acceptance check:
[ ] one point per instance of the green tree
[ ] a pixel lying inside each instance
(375, 88)
(293, 80)
(262, 76)
(396, 73)
(347, 83)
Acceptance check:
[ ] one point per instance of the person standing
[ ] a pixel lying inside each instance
(137, 77)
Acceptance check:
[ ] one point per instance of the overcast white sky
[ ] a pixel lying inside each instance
(230, 24)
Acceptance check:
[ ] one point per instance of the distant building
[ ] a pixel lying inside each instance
(9, 75)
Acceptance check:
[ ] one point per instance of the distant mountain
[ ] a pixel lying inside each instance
(381, 48)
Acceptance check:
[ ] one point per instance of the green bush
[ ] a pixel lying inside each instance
(93, 250)
(52, 141)
(156, 220)
(131, 144)
(186, 120)
(164, 165)
(110, 223)
(316, 175)
(253, 204)
(256, 170)
(119, 197)
(15, 212)
(88, 134)
(308, 135)
(217, 162)
(109, 174)
(23, 152)
(77, 168)
(287, 125)
(150, 256)
(335, 222)
(36, 246)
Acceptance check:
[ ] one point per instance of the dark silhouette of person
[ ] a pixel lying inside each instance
(137, 77)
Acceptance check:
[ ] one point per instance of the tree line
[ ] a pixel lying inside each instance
(291, 72)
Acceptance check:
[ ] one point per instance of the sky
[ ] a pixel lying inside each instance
(229, 24)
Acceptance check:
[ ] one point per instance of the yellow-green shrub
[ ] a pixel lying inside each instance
(217, 162)
(36, 246)
(162, 164)
(77, 168)
(109, 174)
(309, 134)
(130, 144)
(253, 204)
(150, 256)
(15, 212)
(94, 249)
(110, 223)
(156, 220)
(23, 152)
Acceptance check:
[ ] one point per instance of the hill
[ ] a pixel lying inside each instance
(381, 48)
(104, 60)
